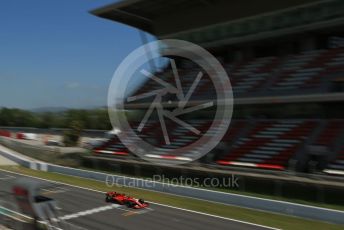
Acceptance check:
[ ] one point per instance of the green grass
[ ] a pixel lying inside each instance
(227, 190)
(258, 217)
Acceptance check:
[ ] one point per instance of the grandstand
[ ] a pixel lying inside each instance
(285, 60)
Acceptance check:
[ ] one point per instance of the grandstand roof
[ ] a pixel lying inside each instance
(163, 17)
(141, 13)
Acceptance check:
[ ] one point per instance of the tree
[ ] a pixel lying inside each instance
(71, 137)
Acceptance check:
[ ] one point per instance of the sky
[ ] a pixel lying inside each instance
(56, 54)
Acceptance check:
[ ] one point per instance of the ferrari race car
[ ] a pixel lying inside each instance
(130, 202)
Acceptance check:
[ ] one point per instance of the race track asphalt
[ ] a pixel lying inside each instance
(88, 210)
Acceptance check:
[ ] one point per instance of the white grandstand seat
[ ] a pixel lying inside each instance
(270, 144)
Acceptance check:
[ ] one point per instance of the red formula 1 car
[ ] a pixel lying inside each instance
(130, 202)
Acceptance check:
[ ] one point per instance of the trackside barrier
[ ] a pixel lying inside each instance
(281, 207)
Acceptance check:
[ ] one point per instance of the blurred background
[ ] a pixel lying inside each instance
(285, 62)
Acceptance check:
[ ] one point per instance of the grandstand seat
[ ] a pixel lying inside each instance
(307, 72)
(337, 166)
(332, 136)
(251, 75)
(112, 147)
(270, 144)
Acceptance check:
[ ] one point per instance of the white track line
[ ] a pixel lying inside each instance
(186, 210)
(7, 177)
(54, 190)
(90, 212)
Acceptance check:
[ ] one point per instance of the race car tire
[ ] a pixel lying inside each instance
(129, 204)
